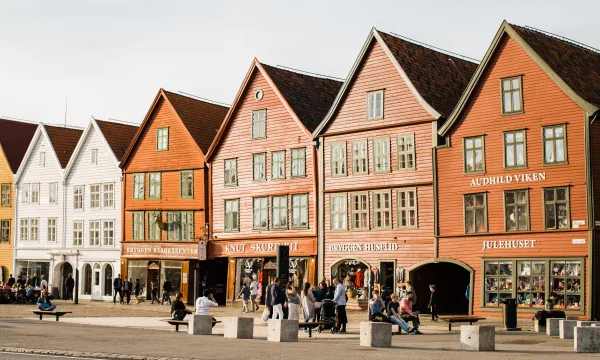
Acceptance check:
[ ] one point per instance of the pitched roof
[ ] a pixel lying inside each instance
(439, 78)
(64, 141)
(15, 137)
(118, 136)
(201, 119)
(309, 96)
(576, 65)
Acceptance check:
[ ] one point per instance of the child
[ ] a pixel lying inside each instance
(245, 295)
(433, 303)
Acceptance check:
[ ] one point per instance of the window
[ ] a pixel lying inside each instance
(531, 284)
(232, 215)
(138, 225)
(5, 192)
(95, 196)
(259, 214)
(515, 151)
(35, 193)
(300, 211)
(258, 167)
(360, 211)
(278, 165)
(279, 212)
(187, 184)
(556, 208)
(375, 105)
(94, 156)
(381, 155)
(512, 100)
(109, 195)
(95, 233)
(566, 280)
(34, 229)
(154, 185)
(25, 192)
(173, 226)
(24, 229)
(516, 210)
(187, 226)
(475, 213)
(108, 230)
(53, 193)
(338, 159)
(78, 197)
(139, 181)
(154, 232)
(259, 124)
(42, 159)
(298, 162)
(498, 282)
(231, 172)
(474, 154)
(338, 212)
(406, 152)
(407, 208)
(162, 139)
(359, 157)
(78, 233)
(382, 209)
(4, 230)
(555, 145)
(52, 230)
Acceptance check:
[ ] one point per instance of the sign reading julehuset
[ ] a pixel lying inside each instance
(507, 179)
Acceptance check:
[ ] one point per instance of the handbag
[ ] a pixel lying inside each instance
(265, 315)
(178, 314)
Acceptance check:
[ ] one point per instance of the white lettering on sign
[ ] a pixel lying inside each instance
(259, 247)
(578, 223)
(368, 247)
(161, 250)
(578, 241)
(508, 244)
(507, 179)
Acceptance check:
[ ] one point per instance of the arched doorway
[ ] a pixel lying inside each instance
(65, 269)
(86, 288)
(354, 274)
(451, 279)
(108, 279)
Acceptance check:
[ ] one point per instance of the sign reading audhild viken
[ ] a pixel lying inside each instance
(507, 179)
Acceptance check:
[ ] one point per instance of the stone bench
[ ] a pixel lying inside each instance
(375, 334)
(478, 337)
(58, 314)
(239, 328)
(200, 325)
(586, 339)
(566, 328)
(283, 330)
(552, 326)
(585, 323)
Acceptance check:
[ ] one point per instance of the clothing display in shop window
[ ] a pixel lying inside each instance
(400, 274)
(375, 275)
(295, 281)
(367, 276)
(359, 278)
(260, 276)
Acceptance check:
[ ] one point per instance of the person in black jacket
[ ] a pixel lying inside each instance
(166, 291)
(69, 285)
(433, 303)
(277, 300)
(178, 309)
(11, 281)
(118, 286)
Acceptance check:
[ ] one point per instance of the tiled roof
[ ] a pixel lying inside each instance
(64, 141)
(15, 137)
(118, 136)
(576, 65)
(309, 96)
(438, 77)
(202, 119)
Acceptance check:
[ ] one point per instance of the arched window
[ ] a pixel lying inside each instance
(87, 280)
(108, 279)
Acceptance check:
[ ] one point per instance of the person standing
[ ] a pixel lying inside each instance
(43, 282)
(126, 291)
(339, 298)
(166, 291)
(118, 289)
(253, 294)
(35, 281)
(11, 281)
(69, 285)
(245, 295)
(410, 289)
(277, 299)
(292, 301)
(433, 303)
(136, 290)
(308, 303)
(155, 291)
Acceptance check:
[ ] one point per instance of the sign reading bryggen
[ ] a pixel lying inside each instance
(183, 251)
(363, 247)
(507, 179)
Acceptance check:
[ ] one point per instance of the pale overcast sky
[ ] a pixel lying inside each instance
(111, 57)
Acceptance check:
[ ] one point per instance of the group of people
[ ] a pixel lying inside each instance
(28, 290)
(124, 289)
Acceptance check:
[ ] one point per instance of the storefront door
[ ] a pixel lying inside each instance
(96, 288)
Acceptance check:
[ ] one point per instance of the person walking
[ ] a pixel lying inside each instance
(253, 294)
(118, 289)
(292, 302)
(69, 285)
(127, 291)
(308, 303)
(155, 291)
(245, 295)
(393, 309)
(136, 290)
(277, 299)
(433, 303)
(166, 291)
(339, 298)
(268, 313)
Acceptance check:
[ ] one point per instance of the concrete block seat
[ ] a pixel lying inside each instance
(239, 328)
(586, 339)
(478, 337)
(566, 328)
(375, 334)
(283, 330)
(552, 327)
(200, 325)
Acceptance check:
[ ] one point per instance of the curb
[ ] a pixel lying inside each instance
(80, 354)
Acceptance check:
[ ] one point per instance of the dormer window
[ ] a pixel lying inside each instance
(162, 139)
(512, 96)
(375, 105)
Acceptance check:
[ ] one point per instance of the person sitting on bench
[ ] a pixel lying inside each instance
(407, 313)
(178, 309)
(394, 315)
(44, 303)
(204, 303)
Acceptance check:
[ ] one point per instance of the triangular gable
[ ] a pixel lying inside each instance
(15, 137)
(507, 29)
(40, 134)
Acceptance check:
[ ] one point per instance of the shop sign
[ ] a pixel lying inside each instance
(507, 179)
(578, 241)
(258, 247)
(160, 250)
(368, 247)
(578, 223)
(201, 250)
(508, 244)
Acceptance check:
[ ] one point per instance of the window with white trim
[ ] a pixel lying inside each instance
(25, 193)
(230, 172)
(24, 229)
(298, 162)
(232, 215)
(162, 139)
(108, 233)
(300, 211)
(35, 193)
(52, 229)
(381, 155)
(260, 212)
(139, 181)
(94, 156)
(78, 233)
(138, 225)
(95, 233)
(338, 159)
(78, 197)
(375, 105)
(95, 196)
(259, 124)
(359, 157)
(154, 183)
(258, 167)
(338, 211)
(278, 165)
(279, 212)
(53, 193)
(406, 152)
(360, 211)
(407, 208)
(109, 195)
(34, 229)
(42, 159)
(382, 209)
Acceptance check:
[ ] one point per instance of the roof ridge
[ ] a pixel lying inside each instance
(304, 73)
(19, 120)
(197, 98)
(560, 38)
(71, 127)
(118, 122)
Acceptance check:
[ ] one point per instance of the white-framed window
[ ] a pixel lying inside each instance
(94, 233)
(338, 211)
(187, 225)
(258, 167)
(4, 230)
(5, 192)
(78, 197)
(406, 152)
(34, 229)
(474, 154)
(95, 196)
(154, 183)
(555, 144)
(108, 233)
(279, 212)
(138, 225)
(154, 231)
(338, 159)
(139, 181)
(26, 193)
(360, 157)
(300, 211)
(259, 124)
(556, 208)
(35, 193)
(52, 229)
(512, 96)
(230, 166)
(109, 195)
(407, 208)
(360, 211)
(515, 151)
(260, 213)
(173, 226)
(381, 154)
(475, 213)
(186, 181)
(78, 233)
(375, 105)
(232, 215)
(298, 162)
(24, 229)
(162, 139)
(516, 210)
(278, 165)
(382, 209)
(94, 156)
(42, 159)
(53, 193)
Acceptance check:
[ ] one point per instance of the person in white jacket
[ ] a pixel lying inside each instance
(205, 302)
(339, 299)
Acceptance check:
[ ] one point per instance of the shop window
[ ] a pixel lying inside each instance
(515, 151)
(154, 184)
(516, 210)
(475, 213)
(381, 155)
(138, 269)
(375, 105)
(171, 271)
(87, 280)
(474, 154)
(498, 282)
(300, 211)
(407, 208)
(382, 209)
(259, 124)
(406, 152)
(360, 211)
(108, 280)
(186, 184)
(512, 99)
(338, 159)
(338, 211)
(154, 231)
(531, 286)
(566, 280)
(298, 162)
(230, 166)
(279, 213)
(5, 192)
(259, 214)
(354, 276)
(278, 165)
(556, 208)
(258, 167)
(359, 157)
(139, 181)
(232, 215)
(555, 144)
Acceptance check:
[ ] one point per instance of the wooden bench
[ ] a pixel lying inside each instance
(182, 322)
(310, 326)
(456, 319)
(58, 314)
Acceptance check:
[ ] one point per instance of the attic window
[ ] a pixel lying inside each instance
(42, 159)
(375, 105)
(94, 156)
(512, 96)
(162, 139)
(258, 95)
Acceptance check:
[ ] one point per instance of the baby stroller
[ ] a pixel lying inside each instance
(328, 316)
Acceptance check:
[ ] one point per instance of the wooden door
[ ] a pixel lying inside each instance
(231, 279)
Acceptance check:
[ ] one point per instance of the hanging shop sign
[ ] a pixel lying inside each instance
(366, 247)
(508, 244)
(507, 179)
(167, 251)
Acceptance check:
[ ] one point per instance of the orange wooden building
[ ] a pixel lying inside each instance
(376, 142)
(165, 184)
(516, 187)
(264, 178)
